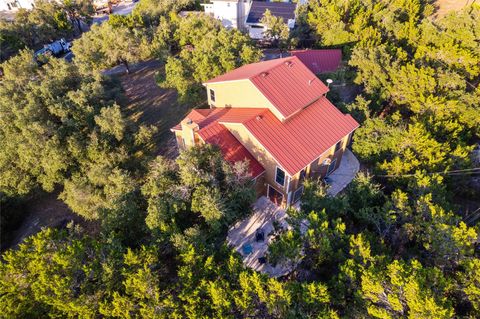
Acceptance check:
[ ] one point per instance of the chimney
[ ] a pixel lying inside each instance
(188, 132)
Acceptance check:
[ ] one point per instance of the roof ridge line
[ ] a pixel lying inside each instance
(273, 67)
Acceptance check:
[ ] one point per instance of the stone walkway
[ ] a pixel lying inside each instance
(265, 212)
(344, 174)
(243, 233)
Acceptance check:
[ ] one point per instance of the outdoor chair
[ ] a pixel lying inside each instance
(260, 235)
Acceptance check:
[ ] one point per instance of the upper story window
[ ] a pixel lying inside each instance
(280, 176)
(338, 146)
(212, 95)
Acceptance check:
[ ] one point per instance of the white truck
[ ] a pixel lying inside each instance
(56, 49)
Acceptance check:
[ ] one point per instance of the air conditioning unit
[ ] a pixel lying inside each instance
(327, 161)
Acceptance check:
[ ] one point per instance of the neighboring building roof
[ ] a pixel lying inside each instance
(285, 10)
(287, 83)
(320, 61)
(294, 143)
(233, 151)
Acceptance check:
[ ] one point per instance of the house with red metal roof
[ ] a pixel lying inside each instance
(320, 61)
(275, 115)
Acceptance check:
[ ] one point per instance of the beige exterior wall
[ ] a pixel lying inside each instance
(262, 156)
(260, 185)
(183, 143)
(316, 169)
(239, 94)
(179, 139)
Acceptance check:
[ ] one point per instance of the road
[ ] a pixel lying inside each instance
(122, 8)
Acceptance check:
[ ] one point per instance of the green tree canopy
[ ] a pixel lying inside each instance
(207, 50)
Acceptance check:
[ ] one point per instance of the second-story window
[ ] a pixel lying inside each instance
(212, 95)
(280, 176)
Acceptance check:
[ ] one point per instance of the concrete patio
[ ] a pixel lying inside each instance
(243, 233)
(344, 174)
(265, 213)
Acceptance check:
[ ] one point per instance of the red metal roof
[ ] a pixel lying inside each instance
(294, 143)
(320, 61)
(205, 117)
(247, 71)
(233, 151)
(287, 83)
(196, 115)
(301, 139)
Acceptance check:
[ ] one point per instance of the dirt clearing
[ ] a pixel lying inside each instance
(445, 6)
(46, 211)
(149, 104)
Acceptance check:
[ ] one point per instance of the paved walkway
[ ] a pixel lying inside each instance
(243, 233)
(123, 8)
(265, 213)
(344, 174)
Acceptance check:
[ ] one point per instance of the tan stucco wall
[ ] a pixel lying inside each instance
(262, 156)
(239, 94)
(179, 139)
(316, 169)
(183, 143)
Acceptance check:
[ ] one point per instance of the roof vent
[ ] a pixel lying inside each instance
(189, 121)
(258, 117)
(310, 81)
(289, 63)
(264, 74)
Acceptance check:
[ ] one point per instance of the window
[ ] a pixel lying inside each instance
(212, 95)
(332, 167)
(280, 176)
(303, 174)
(338, 146)
(297, 195)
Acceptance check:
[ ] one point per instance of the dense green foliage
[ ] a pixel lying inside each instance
(195, 48)
(387, 256)
(392, 245)
(200, 186)
(277, 30)
(61, 128)
(111, 43)
(206, 51)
